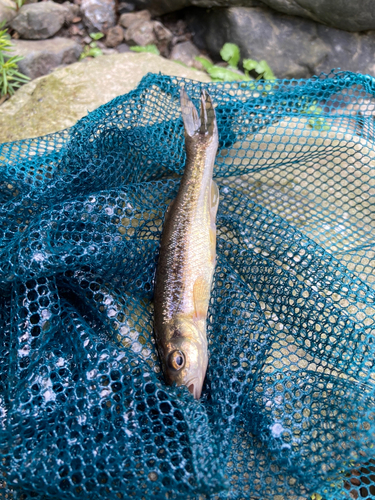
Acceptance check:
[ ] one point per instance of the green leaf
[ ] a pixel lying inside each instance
(224, 74)
(249, 64)
(96, 36)
(264, 70)
(231, 54)
(204, 62)
(152, 49)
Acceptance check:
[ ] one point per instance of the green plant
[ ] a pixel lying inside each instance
(230, 53)
(317, 122)
(261, 67)
(5, 43)
(96, 36)
(10, 77)
(92, 49)
(152, 49)
(18, 3)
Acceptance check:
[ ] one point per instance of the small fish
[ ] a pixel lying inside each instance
(188, 255)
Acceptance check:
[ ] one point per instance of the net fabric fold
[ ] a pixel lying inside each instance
(287, 409)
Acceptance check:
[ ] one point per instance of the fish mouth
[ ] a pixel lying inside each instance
(195, 388)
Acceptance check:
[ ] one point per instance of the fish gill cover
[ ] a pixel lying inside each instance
(287, 409)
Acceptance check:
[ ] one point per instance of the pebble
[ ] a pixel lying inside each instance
(114, 36)
(126, 20)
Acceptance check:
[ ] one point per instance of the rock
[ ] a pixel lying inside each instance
(42, 56)
(186, 52)
(98, 14)
(346, 14)
(140, 33)
(163, 37)
(149, 32)
(72, 12)
(123, 47)
(124, 7)
(7, 11)
(114, 36)
(58, 100)
(126, 20)
(159, 7)
(37, 21)
(294, 47)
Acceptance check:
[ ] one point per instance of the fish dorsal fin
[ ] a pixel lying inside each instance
(201, 292)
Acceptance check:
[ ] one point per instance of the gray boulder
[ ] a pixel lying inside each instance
(7, 11)
(41, 20)
(56, 101)
(42, 56)
(159, 7)
(294, 47)
(349, 15)
(98, 14)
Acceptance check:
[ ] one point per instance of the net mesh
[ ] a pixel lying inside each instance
(287, 409)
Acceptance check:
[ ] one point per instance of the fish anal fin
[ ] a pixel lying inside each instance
(201, 292)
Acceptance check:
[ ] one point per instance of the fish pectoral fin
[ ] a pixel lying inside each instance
(201, 293)
(214, 200)
(168, 210)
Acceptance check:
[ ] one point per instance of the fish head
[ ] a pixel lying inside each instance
(184, 357)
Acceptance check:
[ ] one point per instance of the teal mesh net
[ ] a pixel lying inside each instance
(288, 404)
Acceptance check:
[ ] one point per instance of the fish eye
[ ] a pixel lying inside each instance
(176, 360)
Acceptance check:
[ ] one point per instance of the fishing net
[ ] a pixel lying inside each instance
(288, 405)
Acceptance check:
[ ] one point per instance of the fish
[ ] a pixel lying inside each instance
(187, 255)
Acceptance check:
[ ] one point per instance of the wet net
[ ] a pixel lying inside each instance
(288, 405)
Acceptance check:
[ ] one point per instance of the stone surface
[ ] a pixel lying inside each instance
(294, 47)
(126, 20)
(186, 52)
(123, 47)
(58, 100)
(72, 11)
(98, 14)
(163, 37)
(158, 7)
(149, 32)
(349, 15)
(114, 36)
(7, 11)
(42, 56)
(140, 33)
(37, 21)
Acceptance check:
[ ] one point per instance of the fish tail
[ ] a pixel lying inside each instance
(206, 125)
